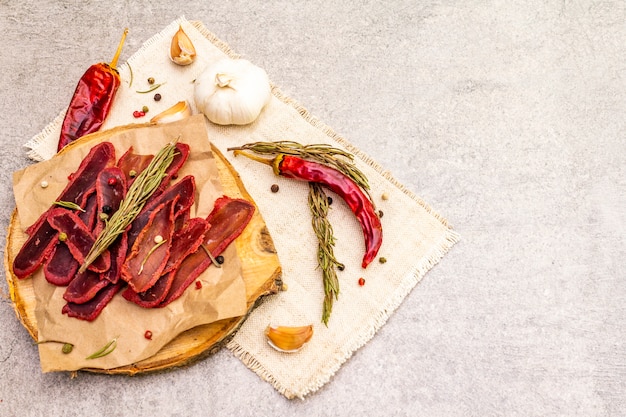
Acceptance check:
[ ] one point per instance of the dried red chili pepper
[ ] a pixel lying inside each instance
(92, 99)
(290, 166)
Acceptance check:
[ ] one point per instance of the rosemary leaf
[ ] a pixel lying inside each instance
(318, 203)
(69, 205)
(150, 252)
(138, 193)
(105, 350)
(130, 69)
(151, 89)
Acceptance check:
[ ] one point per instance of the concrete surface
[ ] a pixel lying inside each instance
(509, 119)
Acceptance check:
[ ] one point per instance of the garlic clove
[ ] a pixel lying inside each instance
(177, 112)
(288, 339)
(182, 51)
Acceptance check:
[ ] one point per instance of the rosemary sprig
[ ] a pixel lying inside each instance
(323, 153)
(138, 193)
(318, 202)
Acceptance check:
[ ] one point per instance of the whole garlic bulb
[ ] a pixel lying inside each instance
(232, 92)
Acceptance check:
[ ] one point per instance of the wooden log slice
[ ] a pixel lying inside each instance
(260, 268)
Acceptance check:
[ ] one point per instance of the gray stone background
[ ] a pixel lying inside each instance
(507, 117)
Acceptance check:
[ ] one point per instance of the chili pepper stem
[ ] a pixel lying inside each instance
(274, 162)
(119, 49)
(265, 161)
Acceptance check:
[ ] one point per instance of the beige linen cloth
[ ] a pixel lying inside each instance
(415, 237)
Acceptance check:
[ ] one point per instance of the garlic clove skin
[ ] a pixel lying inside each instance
(182, 51)
(288, 339)
(232, 92)
(177, 112)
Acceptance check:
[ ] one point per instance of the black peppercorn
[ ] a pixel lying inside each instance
(107, 209)
(219, 259)
(157, 97)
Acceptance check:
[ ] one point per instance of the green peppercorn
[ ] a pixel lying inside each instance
(132, 173)
(67, 348)
(145, 109)
(62, 236)
(382, 259)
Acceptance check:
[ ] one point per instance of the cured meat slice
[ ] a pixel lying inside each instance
(153, 296)
(118, 254)
(227, 219)
(90, 310)
(185, 241)
(131, 163)
(61, 267)
(185, 189)
(110, 191)
(35, 250)
(149, 254)
(42, 236)
(79, 239)
(111, 188)
(226, 222)
(83, 180)
(182, 218)
(99, 157)
(84, 287)
(91, 209)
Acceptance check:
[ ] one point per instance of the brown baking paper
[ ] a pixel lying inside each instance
(223, 292)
